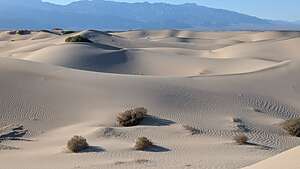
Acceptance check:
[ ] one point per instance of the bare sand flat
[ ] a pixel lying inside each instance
(194, 84)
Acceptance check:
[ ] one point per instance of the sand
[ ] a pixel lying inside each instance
(51, 90)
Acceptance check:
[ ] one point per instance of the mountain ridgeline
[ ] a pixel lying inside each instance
(100, 14)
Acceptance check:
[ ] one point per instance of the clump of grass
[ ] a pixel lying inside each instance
(292, 126)
(241, 139)
(142, 143)
(131, 117)
(77, 144)
(77, 38)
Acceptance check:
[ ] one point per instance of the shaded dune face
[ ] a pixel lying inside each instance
(156, 53)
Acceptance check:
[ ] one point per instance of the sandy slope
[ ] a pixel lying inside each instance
(200, 79)
(287, 159)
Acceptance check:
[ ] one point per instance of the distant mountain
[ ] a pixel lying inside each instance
(100, 14)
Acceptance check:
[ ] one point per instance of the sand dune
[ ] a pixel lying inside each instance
(202, 80)
(287, 159)
(189, 54)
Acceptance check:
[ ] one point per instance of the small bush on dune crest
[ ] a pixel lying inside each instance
(142, 143)
(12, 32)
(23, 32)
(241, 139)
(19, 32)
(65, 32)
(77, 38)
(292, 126)
(57, 29)
(131, 117)
(77, 144)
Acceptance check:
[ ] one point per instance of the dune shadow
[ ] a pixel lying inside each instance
(263, 147)
(103, 46)
(156, 121)
(96, 45)
(93, 149)
(157, 149)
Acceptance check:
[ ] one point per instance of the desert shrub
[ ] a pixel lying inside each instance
(57, 29)
(191, 129)
(12, 32)
(142, 143)
(65, 32)
(131, 117)
(77, 38)
(236, 120)
(241, 139)
(77, 144)
(19, 32)
(23, 32)
(292, 126)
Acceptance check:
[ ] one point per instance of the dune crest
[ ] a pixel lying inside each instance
(186, 53)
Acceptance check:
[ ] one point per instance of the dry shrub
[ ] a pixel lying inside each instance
(77, 144)
(142, 143)
(77, 38)
(141, 161)
(12, 32)
(57, 29)
(241, 139)
(19, 32)
(131, 117)
(192, 130)
(292, 126)
(65, 32)
(236, 120)
(23, 32)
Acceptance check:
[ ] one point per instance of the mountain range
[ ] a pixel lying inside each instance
(100, 14)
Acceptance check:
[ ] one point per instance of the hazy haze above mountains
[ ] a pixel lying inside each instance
(99, 14)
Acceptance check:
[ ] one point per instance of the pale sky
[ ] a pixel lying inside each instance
(269, 9)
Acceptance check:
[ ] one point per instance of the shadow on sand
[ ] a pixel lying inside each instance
(156, 121)
(93, 149)
(157, 149)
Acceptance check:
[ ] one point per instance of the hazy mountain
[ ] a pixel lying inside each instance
(99, 14)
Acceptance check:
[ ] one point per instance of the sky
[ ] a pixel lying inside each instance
(269, 9)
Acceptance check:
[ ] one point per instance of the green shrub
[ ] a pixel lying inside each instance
(77, 144)
(77, 38)
(142, 143)
(292, 126)
(131, 117)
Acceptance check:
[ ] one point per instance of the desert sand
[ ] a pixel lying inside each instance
(51, 90)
